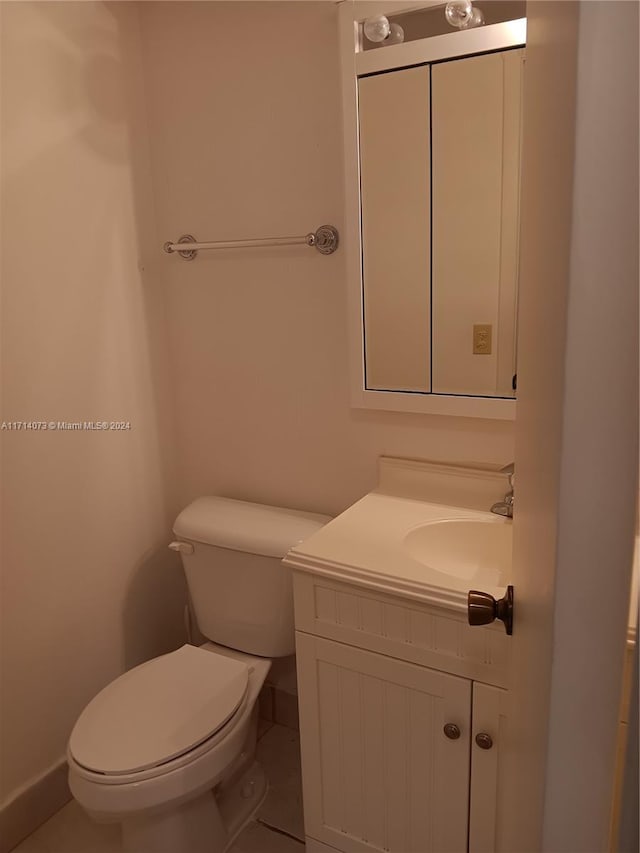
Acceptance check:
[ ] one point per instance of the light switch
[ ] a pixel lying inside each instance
(482, 339)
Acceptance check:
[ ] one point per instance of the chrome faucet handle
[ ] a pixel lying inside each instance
(505, 506)
(510, 469)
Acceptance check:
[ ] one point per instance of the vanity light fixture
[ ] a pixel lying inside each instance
(377, 29)
(463, 15)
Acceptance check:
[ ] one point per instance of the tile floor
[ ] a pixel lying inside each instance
(71, 831)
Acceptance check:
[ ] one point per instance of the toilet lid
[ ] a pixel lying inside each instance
(158, 711)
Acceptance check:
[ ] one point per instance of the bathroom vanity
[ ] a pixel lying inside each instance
(403, 705)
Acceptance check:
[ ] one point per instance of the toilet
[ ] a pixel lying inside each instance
(168, 748)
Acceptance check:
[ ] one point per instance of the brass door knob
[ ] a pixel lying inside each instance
(452, 731)
(483, 608)
(484, 740)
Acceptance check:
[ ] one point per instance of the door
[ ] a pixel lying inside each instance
(379, 772)
(488, 739)
(577, 420)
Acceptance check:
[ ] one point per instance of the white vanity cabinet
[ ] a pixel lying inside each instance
(379, 678)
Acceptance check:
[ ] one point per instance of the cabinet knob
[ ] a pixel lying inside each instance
(484, 740)
(483, 608)
(452, 731)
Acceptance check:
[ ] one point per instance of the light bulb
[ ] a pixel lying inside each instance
(458, 13)
(476, 19)
(396, 34)
(377, 28)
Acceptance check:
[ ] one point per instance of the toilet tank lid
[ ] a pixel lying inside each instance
(269, 531)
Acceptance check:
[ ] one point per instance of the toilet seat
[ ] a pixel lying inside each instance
(158, 711)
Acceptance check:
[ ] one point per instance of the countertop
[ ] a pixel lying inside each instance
(363, 546)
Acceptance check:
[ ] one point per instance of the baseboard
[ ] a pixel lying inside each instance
(39, 800)
(313, 846)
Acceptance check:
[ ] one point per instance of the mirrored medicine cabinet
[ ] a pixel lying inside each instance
(432, 154)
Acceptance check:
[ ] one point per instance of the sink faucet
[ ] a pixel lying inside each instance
(505, 507)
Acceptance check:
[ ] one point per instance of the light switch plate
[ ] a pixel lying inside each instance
(482, 333)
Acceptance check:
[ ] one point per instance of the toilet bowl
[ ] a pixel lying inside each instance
(168, 748)
(161, 788)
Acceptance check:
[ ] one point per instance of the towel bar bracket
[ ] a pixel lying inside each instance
(186, 254)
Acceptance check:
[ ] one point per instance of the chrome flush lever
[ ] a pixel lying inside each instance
(182, 547)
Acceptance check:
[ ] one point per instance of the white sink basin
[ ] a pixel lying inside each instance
(475, 550)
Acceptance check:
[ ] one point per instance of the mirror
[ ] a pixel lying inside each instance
(439, 168)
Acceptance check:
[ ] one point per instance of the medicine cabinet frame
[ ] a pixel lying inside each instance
(355, 63)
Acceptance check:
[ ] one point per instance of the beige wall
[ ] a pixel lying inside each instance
(88, 587)
(245, 118)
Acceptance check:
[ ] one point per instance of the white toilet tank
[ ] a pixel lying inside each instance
(241, 591)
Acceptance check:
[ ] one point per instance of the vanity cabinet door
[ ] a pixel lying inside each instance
(487, 769)
(379, 772)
